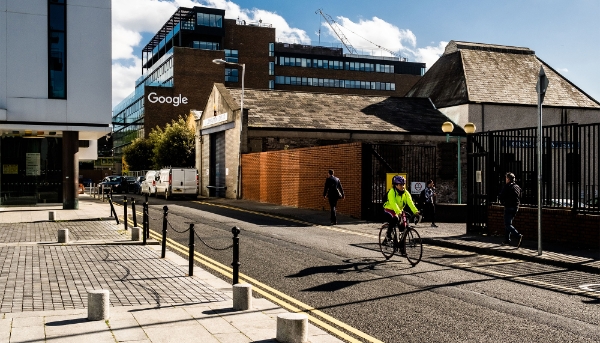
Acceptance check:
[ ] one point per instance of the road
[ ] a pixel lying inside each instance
(451, 296)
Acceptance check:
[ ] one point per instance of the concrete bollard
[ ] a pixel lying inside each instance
(136, 233)
(63, 235)
(98, 305)
(52, 215)
(292, 328)
(242, 296)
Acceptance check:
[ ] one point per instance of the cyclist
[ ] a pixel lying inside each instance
(397, 198)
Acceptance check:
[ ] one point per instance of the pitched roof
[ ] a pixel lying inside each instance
(474, 72)
(287, 110)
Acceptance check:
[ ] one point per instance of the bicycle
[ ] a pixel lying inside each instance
(409, 244)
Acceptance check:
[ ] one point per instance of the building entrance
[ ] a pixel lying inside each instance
(217, 170)
(31, 170)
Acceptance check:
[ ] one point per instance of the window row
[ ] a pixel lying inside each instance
(212, 20)
(205, 45)
(340, 65)
(334, 83)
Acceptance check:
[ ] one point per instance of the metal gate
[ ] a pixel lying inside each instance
(570, 176)
(217, 173)
(417, 161)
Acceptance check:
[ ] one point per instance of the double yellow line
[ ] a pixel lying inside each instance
(317, 317)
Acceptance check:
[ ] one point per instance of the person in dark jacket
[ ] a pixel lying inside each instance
(510, 197)
(333, 191)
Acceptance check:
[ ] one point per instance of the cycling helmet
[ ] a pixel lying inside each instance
(398, 180)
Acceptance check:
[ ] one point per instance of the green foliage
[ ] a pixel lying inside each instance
(138, 154)
(174, 145)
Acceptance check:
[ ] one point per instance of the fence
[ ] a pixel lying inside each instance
(570, 168)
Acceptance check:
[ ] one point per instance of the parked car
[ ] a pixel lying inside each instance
(149, 183)
(593, 203)
(137, 185)
(562, 203)
(117, 183)
(130, 183)
(86, 182)
(177, 182)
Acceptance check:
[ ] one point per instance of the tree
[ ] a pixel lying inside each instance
(138, 154)
(174, 146)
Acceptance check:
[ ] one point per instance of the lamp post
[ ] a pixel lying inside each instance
(221, 61)
(469, 128)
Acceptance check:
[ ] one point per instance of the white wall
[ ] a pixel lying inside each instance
(3, 60)
(89, 81)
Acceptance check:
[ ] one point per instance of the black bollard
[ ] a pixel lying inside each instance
(164, 233)
(133, 213)
(236, 255)
(125, 212)
(191, 251)
(112, 210)
(145, 221)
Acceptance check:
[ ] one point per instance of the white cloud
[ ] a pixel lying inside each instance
(429, 54)
(131, 18)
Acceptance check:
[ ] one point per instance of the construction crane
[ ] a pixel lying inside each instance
(345, 40)
(332, 23)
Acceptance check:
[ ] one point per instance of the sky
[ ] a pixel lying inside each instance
(563, 33)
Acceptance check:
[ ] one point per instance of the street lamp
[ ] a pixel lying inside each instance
(221, 61)
(469, 128)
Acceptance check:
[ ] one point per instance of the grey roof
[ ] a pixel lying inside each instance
(487, 73)
(287, 110)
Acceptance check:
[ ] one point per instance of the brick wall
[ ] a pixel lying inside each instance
(558, 225)
(296, 177)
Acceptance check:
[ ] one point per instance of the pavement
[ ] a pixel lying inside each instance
(43, 284)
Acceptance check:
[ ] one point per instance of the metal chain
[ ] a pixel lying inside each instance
(203, 242)
(172, 228)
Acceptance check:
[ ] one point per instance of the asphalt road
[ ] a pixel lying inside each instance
(451, 296)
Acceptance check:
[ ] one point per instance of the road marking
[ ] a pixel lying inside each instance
(591, 287)
(268, 292)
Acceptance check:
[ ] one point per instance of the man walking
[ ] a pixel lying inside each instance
(429, 203)
(510, 197)
(333, 191)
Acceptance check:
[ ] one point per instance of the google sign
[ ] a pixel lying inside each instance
(167, 99)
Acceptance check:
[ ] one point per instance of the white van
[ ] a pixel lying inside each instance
(149, 184)
(177, 182)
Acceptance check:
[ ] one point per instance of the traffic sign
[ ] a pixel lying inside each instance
(417, 187)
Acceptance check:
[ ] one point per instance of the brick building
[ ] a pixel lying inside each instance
(281, 120)
(178, 72)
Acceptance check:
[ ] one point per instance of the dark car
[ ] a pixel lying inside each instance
(136, 188)
(118, 184)
(130, 183)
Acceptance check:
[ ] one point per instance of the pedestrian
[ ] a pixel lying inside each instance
(510, 197)
(429, 202)
(333, 191)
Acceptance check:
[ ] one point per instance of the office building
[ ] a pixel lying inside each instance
(178, 72)
(55, 95)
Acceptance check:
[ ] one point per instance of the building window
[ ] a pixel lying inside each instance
(231, 56)
(57, 49)
(231, 75)
(271, 84)
(211, 20)
(205, 45)
(271, 49)
(271, 68)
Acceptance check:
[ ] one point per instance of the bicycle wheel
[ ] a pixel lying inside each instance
(413, 246)
(387, 247)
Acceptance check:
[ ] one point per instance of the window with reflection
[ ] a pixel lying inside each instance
(231, 75)
(57, 49)
(210, 20)
(231, 55)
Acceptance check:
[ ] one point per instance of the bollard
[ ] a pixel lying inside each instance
(98, 305)
(112, 209)
(292, 328)
(135, 233)
(125, 212)
(164, 232)
(52, 215)
(63, 235)
(236, 254)
(145, 221)
(191, 251)
(242, 296)
(133, 213)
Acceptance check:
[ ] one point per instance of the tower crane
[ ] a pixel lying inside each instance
(345, 41)
(337, 32)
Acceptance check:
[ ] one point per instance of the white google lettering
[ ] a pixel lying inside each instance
(169, 100)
